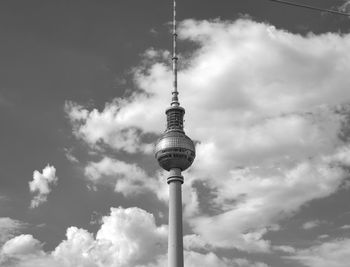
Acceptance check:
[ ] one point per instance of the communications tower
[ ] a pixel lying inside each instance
(175, 152)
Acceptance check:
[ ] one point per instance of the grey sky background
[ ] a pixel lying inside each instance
(59, 60)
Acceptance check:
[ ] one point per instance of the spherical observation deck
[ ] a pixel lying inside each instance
(175, 150)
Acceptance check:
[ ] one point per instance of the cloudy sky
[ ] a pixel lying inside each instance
(83, 89)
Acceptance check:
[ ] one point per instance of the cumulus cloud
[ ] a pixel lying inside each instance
(334, 253)
(133, 233)
(129, 179)
(9, 227)
(127, 237)
(41, 185)
(22, 250)
(21, 245)
(195, 242)
(110, 127)
(126, 178)
(269, 119)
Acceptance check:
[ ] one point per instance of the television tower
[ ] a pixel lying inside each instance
(175, 152)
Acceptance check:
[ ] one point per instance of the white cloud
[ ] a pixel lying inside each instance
(41, 185)
(254, 198)
(335, 253)
(76, 249)
(110, 127)
(133, 233)
(345, 227)
(69, 155)
(194, 259)
(22, 251)
(285, 249)
(126, 178)
(9, 227)
(267, 116)
(345, 7)
(311, 224)
(21, 245)
(127, 238)
(195, 242)
(130, 179)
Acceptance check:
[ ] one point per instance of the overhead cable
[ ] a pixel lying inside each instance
(311, 7)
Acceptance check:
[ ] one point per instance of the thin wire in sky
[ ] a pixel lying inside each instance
(311, 7)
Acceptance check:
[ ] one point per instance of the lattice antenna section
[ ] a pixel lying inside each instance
(174, 100)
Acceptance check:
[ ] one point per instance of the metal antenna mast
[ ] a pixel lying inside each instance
(175, 100)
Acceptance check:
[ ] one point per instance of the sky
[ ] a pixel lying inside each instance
(83, 90)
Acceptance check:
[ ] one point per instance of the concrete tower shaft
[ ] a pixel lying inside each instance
(175, 237)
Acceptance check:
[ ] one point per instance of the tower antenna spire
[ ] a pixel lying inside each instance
(174, 100)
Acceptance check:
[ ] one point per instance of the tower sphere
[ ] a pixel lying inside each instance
(175, 150)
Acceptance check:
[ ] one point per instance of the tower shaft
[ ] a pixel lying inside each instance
(175, 238)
